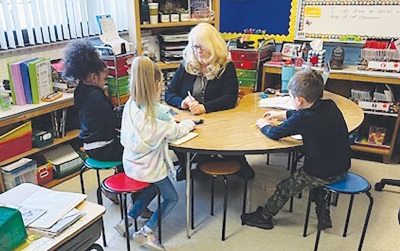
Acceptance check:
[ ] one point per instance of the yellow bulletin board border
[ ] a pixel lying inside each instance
(278, 37)
(341, 37)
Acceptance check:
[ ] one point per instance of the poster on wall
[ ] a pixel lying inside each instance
(348, 20)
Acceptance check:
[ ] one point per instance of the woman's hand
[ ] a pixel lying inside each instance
(275, 115)
(186, 102)
(196, 108)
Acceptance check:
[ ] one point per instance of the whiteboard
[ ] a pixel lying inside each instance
(335, 21)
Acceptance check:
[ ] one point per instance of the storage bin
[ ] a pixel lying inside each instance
(240, 73)
(121, 61)
(67, 168)
(12, 229)
(244, 55)
(42, 138)
(123, 90)
(122, 81)
(251, 65)
(247, 82)
(45, 174)
(24, 170)
(16, 141)
(122, 71)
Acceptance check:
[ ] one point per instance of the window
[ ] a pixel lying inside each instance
(31, 22)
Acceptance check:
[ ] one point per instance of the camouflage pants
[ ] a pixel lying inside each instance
(293, 185)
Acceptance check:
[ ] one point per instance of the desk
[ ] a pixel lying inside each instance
(231, 132)
(79, 236)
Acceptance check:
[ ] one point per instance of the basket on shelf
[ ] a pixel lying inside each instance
(16, 141)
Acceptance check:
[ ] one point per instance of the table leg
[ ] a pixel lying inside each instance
(187, 194)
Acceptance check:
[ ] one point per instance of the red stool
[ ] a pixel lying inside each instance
(122, 185)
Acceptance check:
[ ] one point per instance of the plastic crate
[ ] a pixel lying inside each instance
(45, 174)
(21, 171)
(16, 146)
(67, 168)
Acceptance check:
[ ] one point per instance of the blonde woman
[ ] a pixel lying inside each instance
(205, 82)
(206, 73)
(147, 125)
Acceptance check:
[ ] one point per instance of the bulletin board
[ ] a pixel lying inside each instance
(277, 17)
(349, 19)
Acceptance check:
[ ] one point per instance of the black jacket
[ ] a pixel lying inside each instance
(96, 114)
(221, 93)
(325, 137)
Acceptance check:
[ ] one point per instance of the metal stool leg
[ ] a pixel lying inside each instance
(124, 205)
(327, 198)
(245, 193)
(100, 202)
(159, 214)
(81, 177)
(267, 158)
(371, 202)
(212, 195)
(98, 177)
(293, 164)
(346, 225)
(225, 207)
(192, 200)
(121, 208)
(307, 215)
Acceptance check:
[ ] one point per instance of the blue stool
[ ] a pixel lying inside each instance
(97, 165)
(352, 184)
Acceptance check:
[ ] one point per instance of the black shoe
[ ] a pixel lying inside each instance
(257, 219)
(326, 222)
(181, 174)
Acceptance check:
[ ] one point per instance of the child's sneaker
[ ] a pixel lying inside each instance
(148, 240)
(120, 227)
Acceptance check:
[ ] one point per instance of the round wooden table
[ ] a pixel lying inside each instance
(232, 132)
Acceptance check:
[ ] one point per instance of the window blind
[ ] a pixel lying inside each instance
(32, 22)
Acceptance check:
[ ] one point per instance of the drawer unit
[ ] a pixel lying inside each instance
(250, 65)
(240, 73)
(247, 82)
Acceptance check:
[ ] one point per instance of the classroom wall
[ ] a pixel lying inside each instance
(51, 51)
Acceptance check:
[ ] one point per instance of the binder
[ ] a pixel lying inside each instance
(40, 78)
(26, 81)
(16, 82)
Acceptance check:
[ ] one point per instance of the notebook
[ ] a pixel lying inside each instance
(277, 102)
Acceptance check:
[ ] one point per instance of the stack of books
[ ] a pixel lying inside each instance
(30, 80)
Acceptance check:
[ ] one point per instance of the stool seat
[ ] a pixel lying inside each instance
(220, 167)
(352, 183)
(97, 164)
(123, 184)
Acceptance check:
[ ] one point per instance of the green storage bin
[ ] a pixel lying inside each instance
(112, 91)
(12, 229)
(246, 73)
(122, 81)
(42, 138)
(247, 82)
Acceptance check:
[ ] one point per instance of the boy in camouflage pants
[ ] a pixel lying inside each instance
(326, 145)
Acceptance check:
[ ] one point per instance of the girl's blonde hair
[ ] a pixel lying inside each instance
(144, 78)
(208, 37)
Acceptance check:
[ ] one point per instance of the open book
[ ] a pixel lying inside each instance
(277, 102)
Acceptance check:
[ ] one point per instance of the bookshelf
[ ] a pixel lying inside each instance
(26, 112)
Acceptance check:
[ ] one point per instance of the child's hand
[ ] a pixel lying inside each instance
(261, 122)
(196, 108)
(275, 115)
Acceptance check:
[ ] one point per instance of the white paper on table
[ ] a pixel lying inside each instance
(110, 35)
(297, 136)
(277, 102)
(56, 203)
(185, 138)
(29, 214)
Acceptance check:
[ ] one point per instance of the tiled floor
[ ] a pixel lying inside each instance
(383, 233)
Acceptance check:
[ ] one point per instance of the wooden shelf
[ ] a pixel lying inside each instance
(164, 66)
(382, 114)
(173, 24)
(59, 181)
(70, 135)
(370, 149)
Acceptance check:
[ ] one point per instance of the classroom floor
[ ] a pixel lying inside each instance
(383, 232)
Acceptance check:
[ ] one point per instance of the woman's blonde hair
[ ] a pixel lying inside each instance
(144, 78)
(208, 37)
